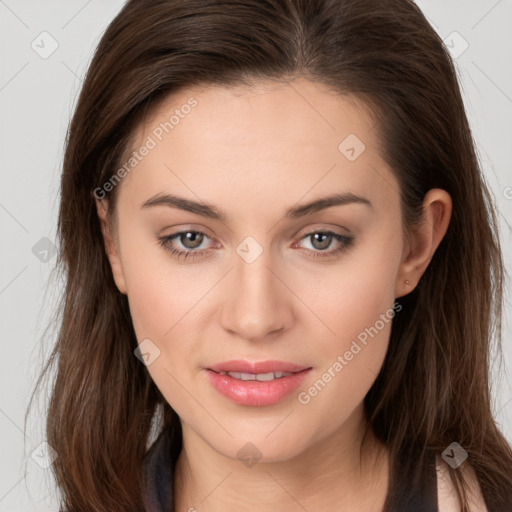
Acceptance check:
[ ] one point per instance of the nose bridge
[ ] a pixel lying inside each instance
(255, 304)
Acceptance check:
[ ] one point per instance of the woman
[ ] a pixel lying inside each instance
(282, 263)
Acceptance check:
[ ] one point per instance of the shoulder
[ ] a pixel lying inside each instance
(447, 494)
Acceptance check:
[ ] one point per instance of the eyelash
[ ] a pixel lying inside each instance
(165, 242)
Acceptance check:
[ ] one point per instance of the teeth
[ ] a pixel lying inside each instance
(263, 377)
(266, 376)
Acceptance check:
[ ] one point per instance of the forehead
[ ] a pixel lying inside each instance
(270, 113)
(298, 137)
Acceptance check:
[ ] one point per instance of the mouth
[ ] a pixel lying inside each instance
(262, 377)
(256, 383)
(256, 367)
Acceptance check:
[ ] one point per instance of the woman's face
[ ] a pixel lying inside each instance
(259, 281)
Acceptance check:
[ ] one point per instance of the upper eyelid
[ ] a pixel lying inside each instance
(316, 228)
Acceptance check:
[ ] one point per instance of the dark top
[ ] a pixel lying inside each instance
(159, 467)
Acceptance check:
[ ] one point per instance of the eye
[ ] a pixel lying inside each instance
(190, 240)
(322, 240)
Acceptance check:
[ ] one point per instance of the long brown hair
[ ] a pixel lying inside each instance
(434, 386)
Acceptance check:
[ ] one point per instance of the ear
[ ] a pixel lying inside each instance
(423, 240)
(111, 247)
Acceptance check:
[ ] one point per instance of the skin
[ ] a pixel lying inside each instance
(253, 153)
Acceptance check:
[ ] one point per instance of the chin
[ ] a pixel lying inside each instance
(261, 448)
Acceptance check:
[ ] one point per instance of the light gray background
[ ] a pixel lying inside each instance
(37, 96)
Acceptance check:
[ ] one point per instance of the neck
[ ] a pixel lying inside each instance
(337, 472)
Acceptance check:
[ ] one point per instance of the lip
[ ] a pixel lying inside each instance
(253, 392)
(244, 366)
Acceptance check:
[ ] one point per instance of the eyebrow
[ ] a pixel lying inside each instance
(212, 212)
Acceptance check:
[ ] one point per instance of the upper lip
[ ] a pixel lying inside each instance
(254, 367)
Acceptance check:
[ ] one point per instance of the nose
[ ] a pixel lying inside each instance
(257, 303)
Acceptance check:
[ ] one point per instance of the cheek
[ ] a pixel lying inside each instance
(359, 318)
(351, 296)
(349, 362)
(153, 304)
(162, 310)
(160, 292)
(357, 305)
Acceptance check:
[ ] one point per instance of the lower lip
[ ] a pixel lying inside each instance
(255, 392)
